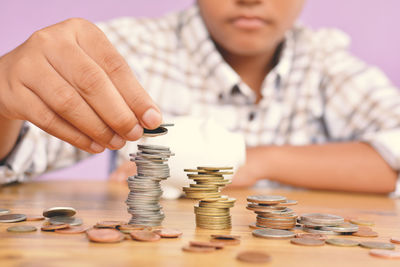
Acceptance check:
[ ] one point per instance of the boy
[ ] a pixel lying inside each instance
(311, 114)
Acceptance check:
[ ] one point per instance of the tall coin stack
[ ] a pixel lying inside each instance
(272, 211)
(145, 189)
(213, 210)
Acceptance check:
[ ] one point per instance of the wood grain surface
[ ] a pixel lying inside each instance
(98, 200)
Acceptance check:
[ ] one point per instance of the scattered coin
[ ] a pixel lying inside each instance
(59, 211)
(72, 230)
(22, 228)
(273, 233)
(168, 233)
(127, 228)
(144, 235)
(216, 245)
(341, 228)
(189, 248)
(52, 227)
(362, 222)
(34, 218)
(378, 245)
(105, 235)
(365, 232)
(395, 240)
(9, 218)
(307, 241)
(226, 236)
(341, 242)
(310, 235)
(4, 211)
(72, 221)
(254, 257)
(383, 253)
(227, 242)
(109, 224)
(322, 219)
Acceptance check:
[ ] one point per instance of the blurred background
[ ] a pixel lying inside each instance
(372, 25)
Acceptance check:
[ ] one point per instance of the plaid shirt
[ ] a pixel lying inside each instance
(317, 92)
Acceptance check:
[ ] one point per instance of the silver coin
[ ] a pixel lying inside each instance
(341, 242)
(59, 211)
(318, 231)
(266, 199)
(342, 228)
(377, 245)
(322, 219)
(57, 220)
(4, 211)
(273, 233)
(9, 218)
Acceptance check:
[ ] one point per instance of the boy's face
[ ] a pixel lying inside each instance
(249, 27)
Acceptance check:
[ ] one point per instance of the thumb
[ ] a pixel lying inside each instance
(123, 171)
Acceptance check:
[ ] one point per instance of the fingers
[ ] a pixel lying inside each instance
(37, 112)
(96, 45)
(66, 102)
(123, 172)
(92, 83)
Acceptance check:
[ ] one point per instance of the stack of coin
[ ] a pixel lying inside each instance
(145, 189)
(272, 211)
(327, 224)
(213, 210)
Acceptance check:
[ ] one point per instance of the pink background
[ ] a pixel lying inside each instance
(373, 26)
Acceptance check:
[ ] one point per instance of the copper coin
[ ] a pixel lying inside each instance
(217, 245)
(307, 241)
(310, 235)
(395, 240)
(72, 230)
(105, 235)
(255, 226)
(168, 233)
(109, 224)
(51, 227)
(144, 235)
(365, 233)
(383, 253)
(132, 227)
(227, 242)
(226, 236)
(189, 248)
(254, 257)
(34, 217)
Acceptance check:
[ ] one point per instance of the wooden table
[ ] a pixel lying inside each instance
(96, 201)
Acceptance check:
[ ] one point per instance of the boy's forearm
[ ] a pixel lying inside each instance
(8, 135)
(340, 166)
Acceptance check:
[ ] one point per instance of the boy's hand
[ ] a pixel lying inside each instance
(71, 82)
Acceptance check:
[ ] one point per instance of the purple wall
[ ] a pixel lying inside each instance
(373, 26)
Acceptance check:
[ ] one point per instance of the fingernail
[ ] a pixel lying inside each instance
(152, 118)
(95, 147)
(117, 141)
(135, 133)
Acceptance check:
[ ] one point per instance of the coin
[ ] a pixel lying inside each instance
(216, 245)
(227, 242)
(59, 211)
(255, 226)
(310, 235)
(56, 220)
(127, 228)
(22, 228)
(144, 235)
(34, 217)
(52, 227)
(266, 199)
(273, 233)
(307, 241)
(9, 218)
(378, 245)
(109, 224)
(254, 257)
(104, 235)
(383, 253)
(189, 248)
(4, 211)
(362, 232)
(342, 228)
(341, 242)
(72, 230)
(362, 222)
(395, 240)
(214, 168)
(318, 231)
(168, 233)
(155, 132)
(226, 236)
(322, 219)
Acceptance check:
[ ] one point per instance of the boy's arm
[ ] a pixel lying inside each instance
(352, 166)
